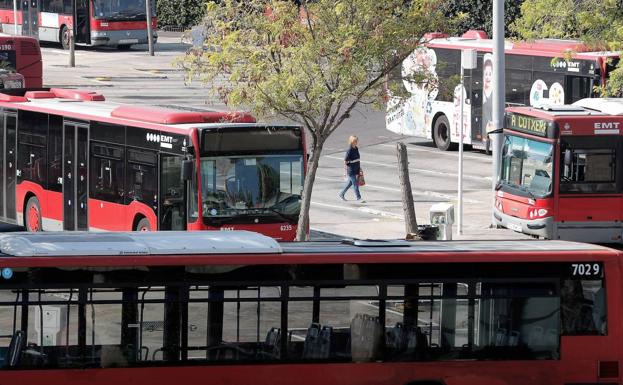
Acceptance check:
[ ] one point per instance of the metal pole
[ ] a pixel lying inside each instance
(498, 94)
(72, 48)
(460, 210)
(15, 17)
(150, 37)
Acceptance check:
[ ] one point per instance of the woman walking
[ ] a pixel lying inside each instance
(352, 167)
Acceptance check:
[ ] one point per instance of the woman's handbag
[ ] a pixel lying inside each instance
(361, 181)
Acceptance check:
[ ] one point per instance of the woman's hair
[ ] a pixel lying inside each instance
(352, 139)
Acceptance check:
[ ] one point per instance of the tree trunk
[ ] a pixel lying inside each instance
(302, 231)
(405, 186)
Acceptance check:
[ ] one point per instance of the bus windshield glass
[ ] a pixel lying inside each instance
(251, 185)
(120, 10)
(527, 166)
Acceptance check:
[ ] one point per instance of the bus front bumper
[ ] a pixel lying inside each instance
(127, 37)
(543, 227)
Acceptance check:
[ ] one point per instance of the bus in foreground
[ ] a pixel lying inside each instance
(20, 62)
(73, 161)
(119, 23)
(561, 171)
(240, 308)
(548, 71)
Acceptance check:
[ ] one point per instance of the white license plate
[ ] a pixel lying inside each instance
(128, 41)
(514, 227)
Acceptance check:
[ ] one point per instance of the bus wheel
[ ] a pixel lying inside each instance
(65, 37)
(32, 216)
(143, 225)
(441, 134)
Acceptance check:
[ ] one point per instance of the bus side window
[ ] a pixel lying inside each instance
(583, 307)
(106, 180)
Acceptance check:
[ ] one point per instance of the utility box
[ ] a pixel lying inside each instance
(442, 215)
(54, 324)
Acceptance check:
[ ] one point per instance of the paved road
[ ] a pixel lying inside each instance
(135, 77)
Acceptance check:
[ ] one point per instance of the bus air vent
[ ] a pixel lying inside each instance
(136, 243)
(84, 95)
(377, 242)
(171, 116)
(40, 95)
(12, 98)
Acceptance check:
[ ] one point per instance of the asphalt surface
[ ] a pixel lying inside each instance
(134, 77)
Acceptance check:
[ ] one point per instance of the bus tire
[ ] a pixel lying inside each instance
(143, 225)
(32, 216)
(441, 134)
(124, 47)
(64, 37)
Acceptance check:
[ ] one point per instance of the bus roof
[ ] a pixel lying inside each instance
(540, 47)
(597, 107)
(88, 105)
(244, 248)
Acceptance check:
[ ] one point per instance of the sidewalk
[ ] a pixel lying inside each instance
(384, 228)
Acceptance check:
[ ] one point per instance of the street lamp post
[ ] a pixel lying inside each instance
(468, 62)
(15, 17)
(498, 95)
(150, 38)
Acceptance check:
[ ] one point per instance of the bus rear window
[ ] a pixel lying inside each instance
(7, 61)
(589, 165)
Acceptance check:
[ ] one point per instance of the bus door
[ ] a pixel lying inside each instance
(30, 18)
(172, 210)
(8, 147)
(82, 26)
(577, 87)
(473, 88)
(75, 181)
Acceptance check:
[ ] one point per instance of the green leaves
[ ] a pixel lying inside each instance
(599, 23)
(180, 13)
(310, 64)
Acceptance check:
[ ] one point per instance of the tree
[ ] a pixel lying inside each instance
(180, 13)
(478, 14)
(311, 64)
(598, 23)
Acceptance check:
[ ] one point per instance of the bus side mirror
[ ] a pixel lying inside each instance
(187, 169)
(567, 157)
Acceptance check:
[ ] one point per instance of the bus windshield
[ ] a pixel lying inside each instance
(121, 9)
(527, 165)
(251, 185)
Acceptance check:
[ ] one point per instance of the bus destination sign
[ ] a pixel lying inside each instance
(530, 125)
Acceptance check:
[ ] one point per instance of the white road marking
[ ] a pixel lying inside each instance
(365, 210)
(418, 192)
(421, 170)
(446, 153)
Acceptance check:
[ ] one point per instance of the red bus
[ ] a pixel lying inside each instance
(20, 62)
(119, 23)
(548, 71)
(72, 161)
(240, 308)
(561, 171)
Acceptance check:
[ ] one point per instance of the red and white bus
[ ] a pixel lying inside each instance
(20, 62)
(548, 71)
(120, 23)
(72, 161)
(240, 308)
(561, 175)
